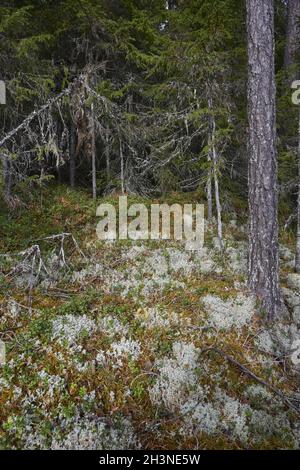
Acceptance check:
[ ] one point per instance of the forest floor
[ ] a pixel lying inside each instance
(139, 344)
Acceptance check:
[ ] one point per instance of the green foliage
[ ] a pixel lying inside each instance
(79, 305)
(62, 210)
(160, 67)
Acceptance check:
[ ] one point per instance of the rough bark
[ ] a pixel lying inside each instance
(263, 231)
(297, 264)
(291, 51)
(292, 32)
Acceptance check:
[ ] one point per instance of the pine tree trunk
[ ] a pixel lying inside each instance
(292, 32)
(263, 237)
(297, 264)
(291, 50)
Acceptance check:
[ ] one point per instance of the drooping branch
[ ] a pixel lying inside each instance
(35, 114)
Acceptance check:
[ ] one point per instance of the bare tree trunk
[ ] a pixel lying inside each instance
(218, 205)
(93, 154)
(122, 168)
(297, 264)
(72, 156)
(217, 197)
(209, 179)
(215, 175)
(292, 32)
(263, 237)
(107, 159)
(208, 191)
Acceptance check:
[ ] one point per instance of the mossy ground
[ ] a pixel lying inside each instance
(30, 400)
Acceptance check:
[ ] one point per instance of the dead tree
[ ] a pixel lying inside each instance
(213, 156)
(93, 152)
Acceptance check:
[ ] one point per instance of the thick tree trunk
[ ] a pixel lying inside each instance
(263, 237)
(292, 32)
(291, 50)
(297, 264)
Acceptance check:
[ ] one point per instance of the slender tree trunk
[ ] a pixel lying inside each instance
(215, 175)
(93, 153)
(122, 168)
(217, 197)
(209, 179)
(263, 236)
(208, 191)
(72, 156)
(107, 158)
(297, 264)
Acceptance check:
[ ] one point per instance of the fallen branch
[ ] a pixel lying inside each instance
(32, 261)
(31, 255)
(285, 398)
(62, 237)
